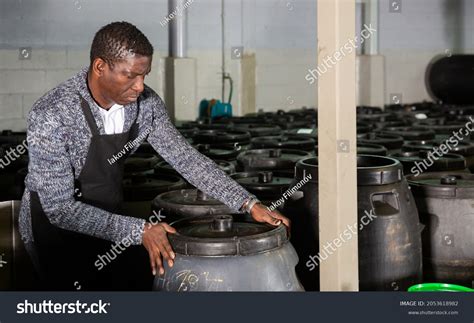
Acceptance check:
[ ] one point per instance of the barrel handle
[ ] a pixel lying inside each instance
(385, 201)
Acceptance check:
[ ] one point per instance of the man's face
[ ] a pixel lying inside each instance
(123, 82)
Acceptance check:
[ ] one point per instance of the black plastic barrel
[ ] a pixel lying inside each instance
(140, 164)
(12, 137)
(306, 144)
(302, 208)
(389, 245)
(410, 133)
(445, 204)
(188, 132)
(439, 148)
(139, 192)
(388, 225)
(220, 152)
(258, 130)
(393, 143)
(180, 204)
(450, 79)
(417, 162)
(270, 159)
(222, 137)
(268, 186)
(302, 133)
(371, 149)
(224, 253)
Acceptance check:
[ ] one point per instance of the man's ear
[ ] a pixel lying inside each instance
(98, 67)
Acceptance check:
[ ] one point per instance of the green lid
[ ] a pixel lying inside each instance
(439, 287)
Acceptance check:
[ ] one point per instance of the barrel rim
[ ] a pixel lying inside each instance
(441, 191)
(273, 239)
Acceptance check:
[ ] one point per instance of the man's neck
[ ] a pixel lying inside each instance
(95, 93)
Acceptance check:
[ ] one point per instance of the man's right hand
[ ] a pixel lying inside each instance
(156, 242)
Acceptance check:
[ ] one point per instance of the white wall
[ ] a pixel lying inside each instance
(281, 33)
(410, 39)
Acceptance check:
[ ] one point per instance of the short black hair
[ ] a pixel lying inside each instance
(115, 41)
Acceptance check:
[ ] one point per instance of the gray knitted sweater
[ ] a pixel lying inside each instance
(58, 140)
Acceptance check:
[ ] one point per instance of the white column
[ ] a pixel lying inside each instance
(337, 145)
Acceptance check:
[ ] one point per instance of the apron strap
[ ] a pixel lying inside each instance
(93, 126)
(89, 117)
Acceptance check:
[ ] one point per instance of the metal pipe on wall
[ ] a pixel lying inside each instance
(368, 13)
(223, 49)
(177, 28)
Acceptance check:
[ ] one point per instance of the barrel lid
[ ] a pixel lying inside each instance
(188, 132)
(371, 149)
(264, 182)
(374, 116)
(385, 124)
(191, 197)
(442, 185)
(431, 121)
(363, 127)
(226, 166)
(302, 133)
(258, 130)
(448, 162)
(410, 133)
(386, 140)
(221, 136)
(444, 128)
(224, 235)
(461, 113)
(164, 167)
(362, 109)
(256, 119)
(462, 148)
(203, 125)
(140, 162)
(419, 110)
(221, 152)
(270, 158)
(306, 144)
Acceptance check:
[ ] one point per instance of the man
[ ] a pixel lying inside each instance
(70, 211)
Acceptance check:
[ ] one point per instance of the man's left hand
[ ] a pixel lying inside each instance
(261, 213)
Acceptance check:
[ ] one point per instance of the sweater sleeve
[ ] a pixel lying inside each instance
(196, 168)
(51, 176)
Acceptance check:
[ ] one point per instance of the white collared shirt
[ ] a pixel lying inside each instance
(113, 119)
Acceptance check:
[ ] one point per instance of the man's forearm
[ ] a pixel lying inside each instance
(199, 170)
(87, 219)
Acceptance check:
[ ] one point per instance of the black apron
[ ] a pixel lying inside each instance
(69, 260)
